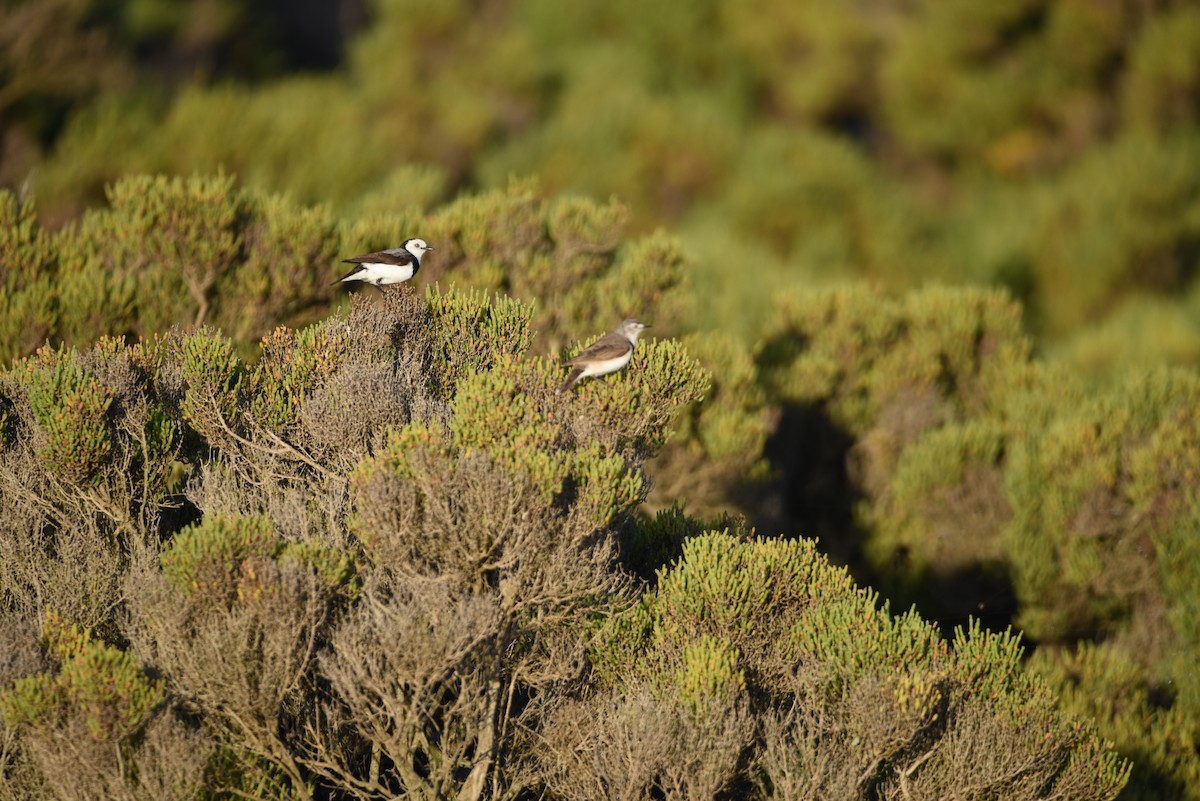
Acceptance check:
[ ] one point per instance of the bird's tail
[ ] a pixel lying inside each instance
(571, 379)
(357, 269)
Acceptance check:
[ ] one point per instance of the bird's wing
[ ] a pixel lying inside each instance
(397, 257)
(358, 268)
(609, 346)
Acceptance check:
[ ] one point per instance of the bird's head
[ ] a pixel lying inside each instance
(417, 247)
(630, 329)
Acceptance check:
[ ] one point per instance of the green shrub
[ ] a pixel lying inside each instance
(103, 685)
(212, 378)
(773, 623)
(71, 408)
(263, 527)
(714, 459)
(293, 365)
(812, 59)
(95, 723)
(1086, 492)
(1162, 83)
(1005, 486)
(165, 252)
(1104, 228)
(205, 561)
(908, 364)
(1109, 687)
(1143, 330)
(27, 267)
(474, 335)
(88, 472)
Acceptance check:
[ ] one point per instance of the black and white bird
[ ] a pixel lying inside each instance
(606, 355)
(386, 267)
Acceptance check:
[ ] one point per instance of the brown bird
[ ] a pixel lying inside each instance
(607, 355)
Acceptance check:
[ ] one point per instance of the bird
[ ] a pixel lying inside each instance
(386, 267)
(607, 355)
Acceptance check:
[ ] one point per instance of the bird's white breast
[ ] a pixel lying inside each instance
(378, 273)
(607, 366)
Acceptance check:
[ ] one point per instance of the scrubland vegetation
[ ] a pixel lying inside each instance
(899, 502)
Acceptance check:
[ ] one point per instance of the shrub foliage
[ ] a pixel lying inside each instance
(979, 479)
(186, 367)
(387, 558)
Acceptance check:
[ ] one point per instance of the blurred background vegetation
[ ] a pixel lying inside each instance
(1045, 146)
(938, 256)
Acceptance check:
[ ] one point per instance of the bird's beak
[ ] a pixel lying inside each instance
(429, 247)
